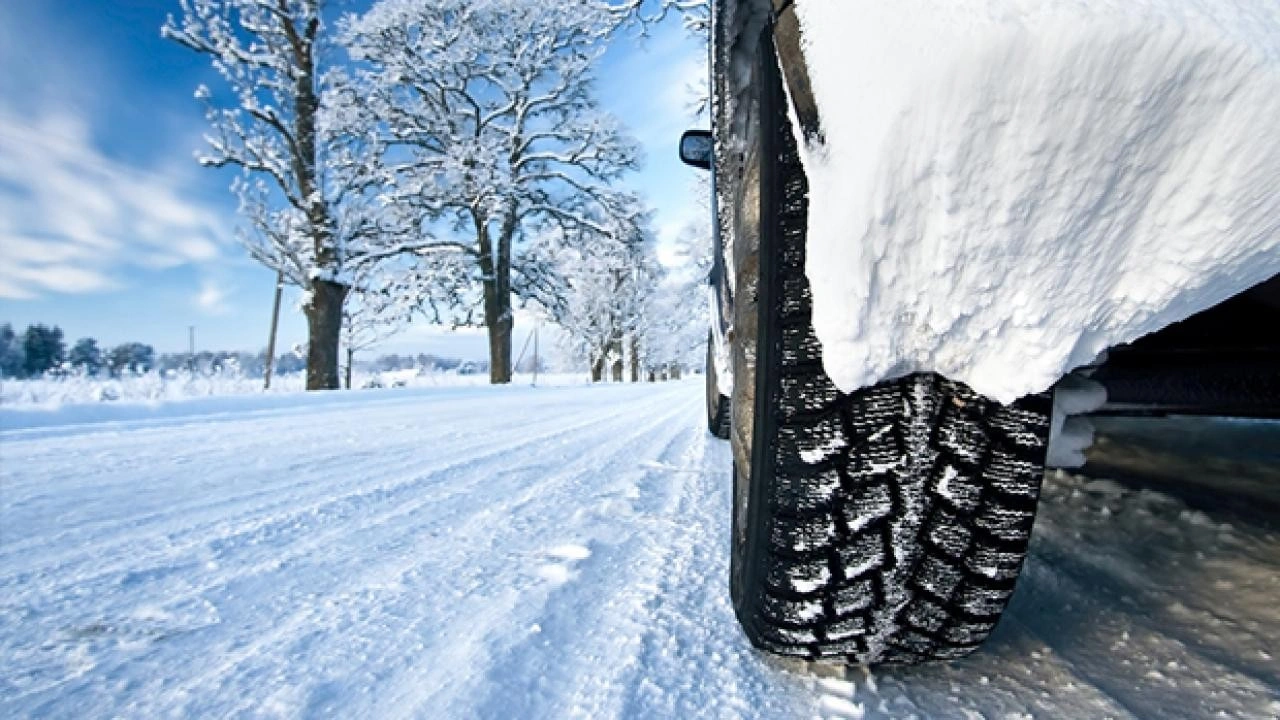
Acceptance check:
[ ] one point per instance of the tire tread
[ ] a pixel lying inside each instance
(898, 515)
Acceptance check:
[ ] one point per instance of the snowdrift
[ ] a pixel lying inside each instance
(1003, 190)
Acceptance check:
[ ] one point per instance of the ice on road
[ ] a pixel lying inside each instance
(542, 552)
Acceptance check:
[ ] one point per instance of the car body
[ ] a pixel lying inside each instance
(808, 579)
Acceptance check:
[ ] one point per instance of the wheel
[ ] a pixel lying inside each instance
(887, 525)
(717, 404)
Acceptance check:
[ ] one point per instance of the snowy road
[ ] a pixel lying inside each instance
(551, 552)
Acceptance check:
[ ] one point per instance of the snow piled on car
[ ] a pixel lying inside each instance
(1003, 190)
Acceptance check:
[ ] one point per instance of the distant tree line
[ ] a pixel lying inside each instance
(41, 349)
(393, 362)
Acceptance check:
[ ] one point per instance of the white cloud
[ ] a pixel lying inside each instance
(212, 297)
(73, 220)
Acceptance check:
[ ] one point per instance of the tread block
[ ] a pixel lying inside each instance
(799, 343)
(994, 564)
(809, 492)
(847, 629)
(861, 555)
(869, 505)
(975, 599)
(959, 489)
(799, 577)
(802, 397)
(967, 634)
(1009, 524)
(949, 533)
(927, 615)
(791, 637)
(855, 597)
(820, 442)
(805, 534)
(938, 576)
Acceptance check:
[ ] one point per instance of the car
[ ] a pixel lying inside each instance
(888, 523)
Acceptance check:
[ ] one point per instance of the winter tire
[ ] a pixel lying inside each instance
(887, 525)
(717, 404)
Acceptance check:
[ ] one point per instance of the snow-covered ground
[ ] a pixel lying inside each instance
(542, 552)
(153, 387)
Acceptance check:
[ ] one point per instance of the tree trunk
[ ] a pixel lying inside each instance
(635, 359)
(617, 370)
(497, 317)
(495, 268)
(324, 327)
(597, 370)
(351, 356)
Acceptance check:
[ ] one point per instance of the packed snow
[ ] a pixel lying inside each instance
(1001, 191)
(542, 552)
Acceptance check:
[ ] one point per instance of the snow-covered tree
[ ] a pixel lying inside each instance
(300, 193)
(672, 331)
(132, 357)
(372, 314)
(43, 349)
(676, 329)
(86, 356)
(604, 303)
(490, 134)
(12, 354)
(695, 13)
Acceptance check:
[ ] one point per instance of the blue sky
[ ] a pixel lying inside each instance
(109, 228)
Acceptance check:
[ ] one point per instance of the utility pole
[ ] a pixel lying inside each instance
(191, 347)
(271, 339)
(535, 354)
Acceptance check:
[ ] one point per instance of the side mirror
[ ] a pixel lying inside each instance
(697, 148)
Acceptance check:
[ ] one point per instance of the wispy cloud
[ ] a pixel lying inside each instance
(73, 220)
(212, 297)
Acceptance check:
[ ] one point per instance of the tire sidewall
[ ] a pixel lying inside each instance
(754, 351)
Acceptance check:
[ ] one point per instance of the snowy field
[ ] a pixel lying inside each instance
(541, 553)
(155, 387)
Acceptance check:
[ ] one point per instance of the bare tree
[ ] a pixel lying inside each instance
(298, 192)
(489, 134)
(371, 315)
(695, 13)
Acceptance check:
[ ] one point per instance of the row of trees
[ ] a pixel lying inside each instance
(445, 159)
(40, 349)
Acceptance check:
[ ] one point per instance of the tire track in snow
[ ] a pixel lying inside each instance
(477, 464)
(386, 580)
(619, 577)
(336, 465)
(688, 621)
(487, 636)
(169, 546)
